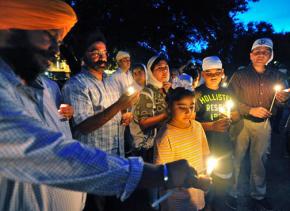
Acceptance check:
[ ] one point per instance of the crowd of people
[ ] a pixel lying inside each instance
(120, 141)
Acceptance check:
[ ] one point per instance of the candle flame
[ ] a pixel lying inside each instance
(130, 90)
(277, 87)
(229, 104)
(211, 165)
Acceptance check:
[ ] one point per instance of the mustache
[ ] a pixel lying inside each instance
(101, 62)
(97, 65)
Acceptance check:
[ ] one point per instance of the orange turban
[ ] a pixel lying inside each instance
(36, 15)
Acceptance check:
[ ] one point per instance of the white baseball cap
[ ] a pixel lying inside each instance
(263, 42)
(211, 62)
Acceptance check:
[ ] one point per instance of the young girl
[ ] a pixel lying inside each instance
(182, 138)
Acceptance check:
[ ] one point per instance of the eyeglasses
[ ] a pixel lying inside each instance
(210, 74)
(263, 53)
(98, 53)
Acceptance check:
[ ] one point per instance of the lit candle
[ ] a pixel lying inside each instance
(211, 165)
(227, 108)
(277, 88)
(130, 90)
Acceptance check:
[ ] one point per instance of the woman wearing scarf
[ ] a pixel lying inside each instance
(150, 111)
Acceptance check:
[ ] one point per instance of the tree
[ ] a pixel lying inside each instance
(145, 27)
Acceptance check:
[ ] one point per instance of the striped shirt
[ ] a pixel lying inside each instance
(253, 89)
(90, 96)
(174, 143)
(34, 152)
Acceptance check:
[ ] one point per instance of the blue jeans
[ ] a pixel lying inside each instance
(257, 136)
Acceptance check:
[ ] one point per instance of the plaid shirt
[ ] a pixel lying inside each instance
(90, 96)
(33, 151)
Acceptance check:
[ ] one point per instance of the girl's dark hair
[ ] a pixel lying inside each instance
(177, 94)
(139, 66)
(157, 60)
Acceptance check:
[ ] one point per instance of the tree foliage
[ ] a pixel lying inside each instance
(146, 27)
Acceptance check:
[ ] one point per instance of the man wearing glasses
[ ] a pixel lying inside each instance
(97, 101)
(253, 87)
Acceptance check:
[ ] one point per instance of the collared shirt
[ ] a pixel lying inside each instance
(53, 88)
(253, 89)
(33, 151)
(90, 96)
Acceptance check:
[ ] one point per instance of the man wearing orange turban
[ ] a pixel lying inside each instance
(37, 15)
(42, 163)
(30, 31)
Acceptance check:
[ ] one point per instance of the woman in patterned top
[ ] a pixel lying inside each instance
(150, 111)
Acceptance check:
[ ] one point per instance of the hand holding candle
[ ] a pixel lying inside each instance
(204, 180)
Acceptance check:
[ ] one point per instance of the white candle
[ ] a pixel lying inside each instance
(277, 88)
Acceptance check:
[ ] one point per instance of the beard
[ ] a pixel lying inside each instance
(26, 60)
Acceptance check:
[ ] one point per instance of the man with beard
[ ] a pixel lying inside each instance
(38, 163)
(98, 121)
